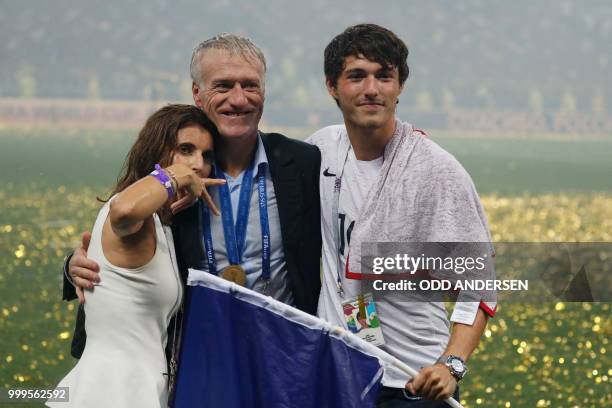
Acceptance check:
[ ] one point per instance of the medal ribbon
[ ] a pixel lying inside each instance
(235, 236)
(208, 244)
(263, 220)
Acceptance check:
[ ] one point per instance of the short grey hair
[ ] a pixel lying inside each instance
(234, 44)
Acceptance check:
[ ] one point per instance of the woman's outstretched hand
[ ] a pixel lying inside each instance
(190, 186)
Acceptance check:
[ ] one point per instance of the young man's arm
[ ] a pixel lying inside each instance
(436, 382)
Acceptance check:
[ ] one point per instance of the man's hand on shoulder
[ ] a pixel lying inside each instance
(433, 383)
(83, 271)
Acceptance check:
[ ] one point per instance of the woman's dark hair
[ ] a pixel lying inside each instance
(157, 140)
(373, 42)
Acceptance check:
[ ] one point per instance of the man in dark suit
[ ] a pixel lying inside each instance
(228, 74)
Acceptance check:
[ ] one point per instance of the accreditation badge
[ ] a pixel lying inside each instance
(362, 319)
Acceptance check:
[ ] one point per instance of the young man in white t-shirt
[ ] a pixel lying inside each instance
(365, 69)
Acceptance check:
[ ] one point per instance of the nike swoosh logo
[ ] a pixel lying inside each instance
(326, 173)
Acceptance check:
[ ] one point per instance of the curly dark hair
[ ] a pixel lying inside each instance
(373, 42)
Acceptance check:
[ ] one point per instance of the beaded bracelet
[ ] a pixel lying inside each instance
(161, 176)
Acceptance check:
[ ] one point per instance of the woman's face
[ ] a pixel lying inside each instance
(194, 148)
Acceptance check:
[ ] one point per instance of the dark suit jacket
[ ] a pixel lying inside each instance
(294, 168)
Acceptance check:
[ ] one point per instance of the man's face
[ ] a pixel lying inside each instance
(367, 93)
(232, 95)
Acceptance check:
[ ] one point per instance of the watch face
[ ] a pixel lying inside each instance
(457, 366)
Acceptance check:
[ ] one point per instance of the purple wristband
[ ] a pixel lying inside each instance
(161, 176)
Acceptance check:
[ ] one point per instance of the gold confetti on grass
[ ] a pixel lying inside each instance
(64, 335)
(562, 344)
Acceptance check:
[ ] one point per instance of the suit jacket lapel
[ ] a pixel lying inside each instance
(287, 187)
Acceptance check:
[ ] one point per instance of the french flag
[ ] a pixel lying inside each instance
(243, 349)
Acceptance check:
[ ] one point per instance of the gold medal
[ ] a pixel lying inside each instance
(234, 273)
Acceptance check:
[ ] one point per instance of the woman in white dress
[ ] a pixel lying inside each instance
(127, 314)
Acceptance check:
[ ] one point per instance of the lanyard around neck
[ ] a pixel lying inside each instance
(343, 152)
(235, 235)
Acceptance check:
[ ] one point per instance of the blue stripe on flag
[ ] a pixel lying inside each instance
(238, 354)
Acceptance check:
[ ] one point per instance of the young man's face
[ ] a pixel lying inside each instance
(367, 93)
(232, 95)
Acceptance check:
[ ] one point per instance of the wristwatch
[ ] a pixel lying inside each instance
(455, 365)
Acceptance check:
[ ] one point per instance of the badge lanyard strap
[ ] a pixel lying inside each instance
(343, 152)
(265, 225)
(229, 231)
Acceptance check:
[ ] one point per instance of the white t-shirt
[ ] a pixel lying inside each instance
(415, 332)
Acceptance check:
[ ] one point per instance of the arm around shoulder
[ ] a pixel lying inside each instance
(68, 290)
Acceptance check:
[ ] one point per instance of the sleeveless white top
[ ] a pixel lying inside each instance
(127, 317)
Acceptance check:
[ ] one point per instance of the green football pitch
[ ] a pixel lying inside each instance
(539, 355)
